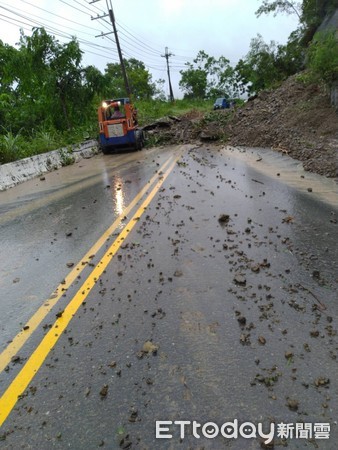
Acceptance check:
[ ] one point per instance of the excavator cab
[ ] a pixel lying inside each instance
(119, 126)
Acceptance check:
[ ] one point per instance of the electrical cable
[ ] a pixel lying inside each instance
(43, 19)
(150, 50)
(10, 20)
(138, 47)
(57, 15)
(55, 30)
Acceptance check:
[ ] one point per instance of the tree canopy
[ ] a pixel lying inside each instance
(46, 85)
(208, 77)
(139, 77)
(310, 13)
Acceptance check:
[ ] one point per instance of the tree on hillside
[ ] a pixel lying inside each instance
(45, 84)
(8, 62)
(140, 80)
(49, 80)
(208, 77)
(8, 59)
(314, 11)
(313, 14)
(266, 65)
(309, 12)
(193, 82)
(323, 56)
(279, 6)
(159, 92)
(94, 83)
(67, 76)
(318, 52)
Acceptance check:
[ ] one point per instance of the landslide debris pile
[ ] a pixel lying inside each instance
(295, 119)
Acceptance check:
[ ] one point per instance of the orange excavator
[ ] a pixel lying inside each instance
(119, 126)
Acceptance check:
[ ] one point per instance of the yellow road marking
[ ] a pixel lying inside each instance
(35, 361)
(32, 324)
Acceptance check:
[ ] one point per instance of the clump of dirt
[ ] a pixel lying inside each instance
(295, 119)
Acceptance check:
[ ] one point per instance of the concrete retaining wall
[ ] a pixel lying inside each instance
(25, 169)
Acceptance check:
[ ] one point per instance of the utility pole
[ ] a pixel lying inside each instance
(167, 56)
(123, 67)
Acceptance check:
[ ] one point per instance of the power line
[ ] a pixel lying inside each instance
(13, 21)
(56, 15)
(136, 39)
(144, 51)
(74, 7)
(87, 14)
(41, 20)
(137, 47)
(54, 30)
(140, 42)
(88, 8)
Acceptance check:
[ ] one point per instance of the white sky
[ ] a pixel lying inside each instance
(219, 27)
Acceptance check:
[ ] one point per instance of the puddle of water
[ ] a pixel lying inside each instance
(290, 171)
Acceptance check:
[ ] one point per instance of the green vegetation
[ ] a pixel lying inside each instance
(208, 77)
(17, 146)
(267, 65)
(48, 100)
(11, 146)
(323, 56)
(66, 157)
(151, 110)
(42, 139)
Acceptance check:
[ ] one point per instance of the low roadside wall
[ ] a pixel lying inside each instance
(19, 171)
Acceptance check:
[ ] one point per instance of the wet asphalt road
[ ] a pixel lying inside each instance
(220, 303)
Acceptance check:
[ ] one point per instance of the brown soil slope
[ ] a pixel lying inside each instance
(294, 119)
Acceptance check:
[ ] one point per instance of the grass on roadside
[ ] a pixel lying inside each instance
(24, 144)
(150, 110)
(42, 140)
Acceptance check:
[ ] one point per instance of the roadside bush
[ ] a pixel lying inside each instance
(11, 147)
(66, 157)
(43, 140)
(323, 56)
(80, 134)
(149, 111)
(46, 137)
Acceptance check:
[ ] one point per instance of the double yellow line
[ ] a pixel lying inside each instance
(33, 364)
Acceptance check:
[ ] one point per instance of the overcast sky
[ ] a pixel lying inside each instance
(219, 27)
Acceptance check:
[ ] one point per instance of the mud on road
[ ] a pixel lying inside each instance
(221, 304)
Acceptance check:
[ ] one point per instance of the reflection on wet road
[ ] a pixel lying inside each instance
(216, 301)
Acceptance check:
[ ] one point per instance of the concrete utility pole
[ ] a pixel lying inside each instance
(123, 67)
(167, 56)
